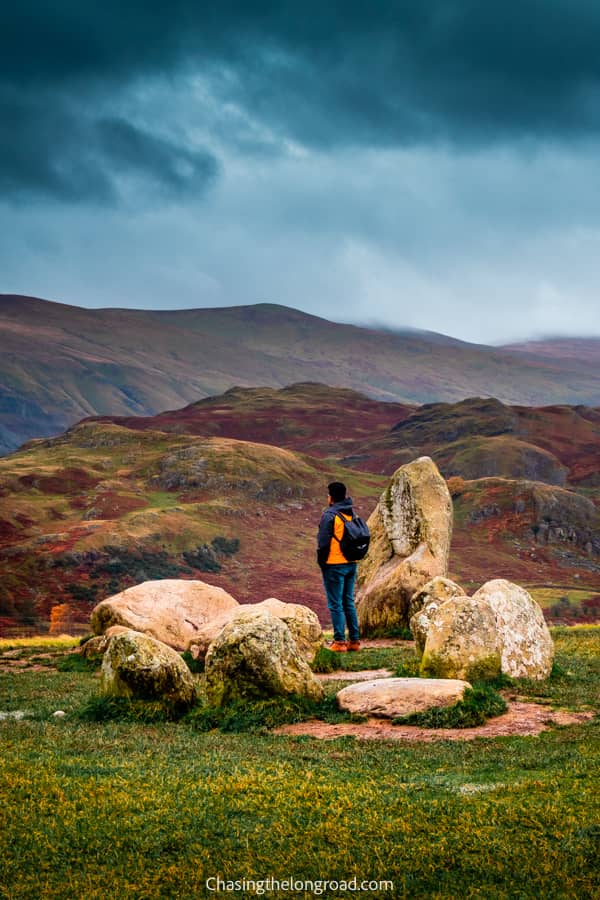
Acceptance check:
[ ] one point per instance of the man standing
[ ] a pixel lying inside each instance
(339, 574)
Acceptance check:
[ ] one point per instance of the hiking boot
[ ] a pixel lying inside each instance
(338, 647)
(353, 645)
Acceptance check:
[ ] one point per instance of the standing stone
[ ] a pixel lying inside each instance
(527, 647)
(141, 667)
(462, 641)
(171, 610)
(255, 656)
(411, 530)
(424, 604)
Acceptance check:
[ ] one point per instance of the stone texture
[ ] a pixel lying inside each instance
(526, 645)
(424, 603)
(391, 697)
(303, 623)
(411, 530)
(96, 646)
(256, 656)
(462, 641)
(141, 667)
(171, 610)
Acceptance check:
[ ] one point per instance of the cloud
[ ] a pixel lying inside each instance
(426, 164)
(63, 153)
(276, 77)
(335, 73)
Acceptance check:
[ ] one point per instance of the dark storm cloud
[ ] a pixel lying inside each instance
(56, 150)
(321, 74)
(336, 72)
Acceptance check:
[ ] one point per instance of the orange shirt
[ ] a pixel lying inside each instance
(336, 557)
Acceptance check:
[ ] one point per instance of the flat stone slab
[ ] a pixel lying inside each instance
(390, 697)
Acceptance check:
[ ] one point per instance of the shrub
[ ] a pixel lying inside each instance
(225, 546)
(202, 558)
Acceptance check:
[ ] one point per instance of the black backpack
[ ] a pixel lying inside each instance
(355, 539)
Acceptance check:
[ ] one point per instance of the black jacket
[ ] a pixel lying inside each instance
(326, 528)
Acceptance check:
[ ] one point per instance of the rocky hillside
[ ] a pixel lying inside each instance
(61, 363)
(477, 438)
(230, 490)
(474, 438)
(104, 507)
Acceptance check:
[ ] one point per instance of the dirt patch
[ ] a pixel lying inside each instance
(365, 675)
(520, 719)
(385, 643)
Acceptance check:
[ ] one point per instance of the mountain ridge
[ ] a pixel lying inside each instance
(61, 363)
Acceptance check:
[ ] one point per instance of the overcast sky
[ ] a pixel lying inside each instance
(431, 164)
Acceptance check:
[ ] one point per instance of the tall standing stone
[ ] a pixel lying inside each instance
(411, 530)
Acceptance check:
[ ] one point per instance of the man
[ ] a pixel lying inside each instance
(339, 575)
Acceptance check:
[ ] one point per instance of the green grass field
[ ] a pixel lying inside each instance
(116, 809)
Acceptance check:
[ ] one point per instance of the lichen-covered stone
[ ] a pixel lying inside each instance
(256, 656)
(391, 697)
(411, 530)
(303, 623)
(424, 603)
(527, 647)
(96, 646)
(171, 610)
(140, 667)
(462, 641)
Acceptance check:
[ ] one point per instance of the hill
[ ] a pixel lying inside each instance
(200, 492)
(104, 507)
(480, 437)
(61, 363)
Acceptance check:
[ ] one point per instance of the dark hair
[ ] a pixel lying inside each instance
(337, 491)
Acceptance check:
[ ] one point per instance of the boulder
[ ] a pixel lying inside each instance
(391, 697)
(255, 656)
(171, 610)
(462, 641)
(425, 602)
(207, 633)
(303, 623)
(526, 645)
(411, 530)
(141, 667)
(96, 646)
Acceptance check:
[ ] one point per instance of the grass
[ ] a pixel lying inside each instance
(62, 642)
(152, 809)
(547, 596)
(480, 703)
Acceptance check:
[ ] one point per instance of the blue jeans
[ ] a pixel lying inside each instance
(339, 587)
